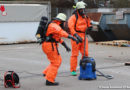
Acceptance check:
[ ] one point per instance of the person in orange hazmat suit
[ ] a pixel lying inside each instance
(50, 47)
(78, 23)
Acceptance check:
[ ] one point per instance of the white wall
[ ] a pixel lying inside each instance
(21, 22)
(18, 32)
(24, 12)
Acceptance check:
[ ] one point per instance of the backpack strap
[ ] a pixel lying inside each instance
(76, 15)
(47, 38)
(47, 27)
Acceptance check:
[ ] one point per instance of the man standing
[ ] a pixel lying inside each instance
(50, 47)
(78, 23)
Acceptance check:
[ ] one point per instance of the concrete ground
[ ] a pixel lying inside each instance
(29, 61)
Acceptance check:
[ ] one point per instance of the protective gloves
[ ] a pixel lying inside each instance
(67, 48)
(78, 37)
(89, 29)
(74, 39)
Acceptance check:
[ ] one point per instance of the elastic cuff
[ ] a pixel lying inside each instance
(74, 34)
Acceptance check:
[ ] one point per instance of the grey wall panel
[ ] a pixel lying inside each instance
(24, 12)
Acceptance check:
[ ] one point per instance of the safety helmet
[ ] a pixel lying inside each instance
(80, 5)
(61, 16)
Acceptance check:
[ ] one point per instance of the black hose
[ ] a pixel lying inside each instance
(102, 74)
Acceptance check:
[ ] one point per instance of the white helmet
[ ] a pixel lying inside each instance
(61, 16)
(80, 5)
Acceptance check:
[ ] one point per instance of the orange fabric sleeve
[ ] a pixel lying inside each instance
(71, 24)
(57, 30)
(89, 22)
(61, 41)
(63, 33)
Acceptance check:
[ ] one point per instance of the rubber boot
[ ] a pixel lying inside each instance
(48, 83)
(44, 75)
(73, 73)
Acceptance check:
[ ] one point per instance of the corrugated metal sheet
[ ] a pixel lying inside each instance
(121, 31)
(111, 19)
(95, 16)
(100, 34)
(118, 27)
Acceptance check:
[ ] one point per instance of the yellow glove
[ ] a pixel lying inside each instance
(39, 40)
(38, 36)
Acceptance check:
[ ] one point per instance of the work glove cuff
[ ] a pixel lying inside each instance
(67, 48)
(74, 39)
(78, 37)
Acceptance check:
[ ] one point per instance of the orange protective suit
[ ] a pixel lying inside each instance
(51, 50)
(79, 28)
